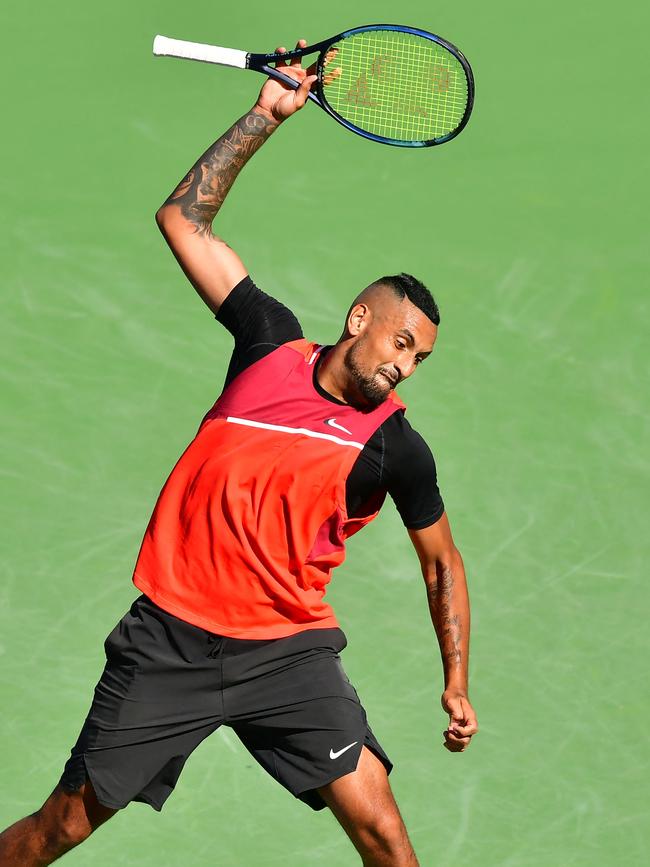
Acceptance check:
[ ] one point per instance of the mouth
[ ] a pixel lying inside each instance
(390, 379)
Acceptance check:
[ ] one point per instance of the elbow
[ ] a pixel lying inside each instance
(167, 215)
(445, 562)
(165, 222)
(160, 217)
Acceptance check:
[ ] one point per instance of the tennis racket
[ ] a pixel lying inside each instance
(391, 84)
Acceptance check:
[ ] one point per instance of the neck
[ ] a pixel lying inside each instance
(332, 376)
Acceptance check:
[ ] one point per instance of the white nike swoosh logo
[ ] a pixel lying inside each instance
(332, 423)
(334, 755)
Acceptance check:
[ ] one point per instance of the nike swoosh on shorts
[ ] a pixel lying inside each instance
(334, 755)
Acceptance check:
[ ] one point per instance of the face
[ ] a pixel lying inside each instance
(391, 342)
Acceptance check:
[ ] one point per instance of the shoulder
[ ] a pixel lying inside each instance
(411, 477)
(402, 441)
(249, 312)
(258, 322)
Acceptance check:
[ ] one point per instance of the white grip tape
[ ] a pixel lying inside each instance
(199, 51)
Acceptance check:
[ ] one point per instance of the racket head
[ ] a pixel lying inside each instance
(397, 85)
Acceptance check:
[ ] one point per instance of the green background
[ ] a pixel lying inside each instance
(531, 230)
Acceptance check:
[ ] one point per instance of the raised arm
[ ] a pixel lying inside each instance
(185, 218)
(444, 576)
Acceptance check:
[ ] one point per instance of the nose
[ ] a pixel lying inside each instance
(404, 369)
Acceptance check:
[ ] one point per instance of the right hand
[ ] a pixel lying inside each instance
(277, 99)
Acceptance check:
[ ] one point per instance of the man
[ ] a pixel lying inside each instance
(232, 627)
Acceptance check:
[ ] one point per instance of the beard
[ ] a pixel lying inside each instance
(372, 388)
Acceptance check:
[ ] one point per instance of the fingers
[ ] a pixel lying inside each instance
(284, 105)
(455, 744)
(462, 722)
(464, 731)
(293, 61)
(303, 91)
(301, 43)
(459, 709)
(467, 719)
(280, 50)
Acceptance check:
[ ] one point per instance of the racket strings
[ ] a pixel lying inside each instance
(398, 85)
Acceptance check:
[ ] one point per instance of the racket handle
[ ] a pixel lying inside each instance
(163, 45)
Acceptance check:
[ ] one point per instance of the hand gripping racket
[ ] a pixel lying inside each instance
(396, 85)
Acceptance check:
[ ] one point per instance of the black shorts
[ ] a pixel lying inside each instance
(167, 685)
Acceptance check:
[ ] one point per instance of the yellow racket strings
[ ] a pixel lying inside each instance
(396, 85)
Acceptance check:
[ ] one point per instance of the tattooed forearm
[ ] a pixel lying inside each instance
(451, 639)
(203, 190)
(447, 623)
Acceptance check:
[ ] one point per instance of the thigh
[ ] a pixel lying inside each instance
(157, 699)
(302, 720)
(365, 807)
(77, 811)
(360, 796)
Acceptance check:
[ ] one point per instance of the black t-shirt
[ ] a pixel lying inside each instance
(395, 459)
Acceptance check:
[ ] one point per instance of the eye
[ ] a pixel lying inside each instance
(400, 344)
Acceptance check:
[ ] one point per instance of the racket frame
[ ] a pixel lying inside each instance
(260, 63)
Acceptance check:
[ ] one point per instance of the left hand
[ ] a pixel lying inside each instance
(462, 721)
(279, 100)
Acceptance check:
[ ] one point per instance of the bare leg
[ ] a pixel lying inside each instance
(65, 820)
(365, 807)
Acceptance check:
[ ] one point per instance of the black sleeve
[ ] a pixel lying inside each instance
(258, 323)
(410, 475)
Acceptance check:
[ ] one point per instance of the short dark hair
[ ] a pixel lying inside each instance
(406, 285)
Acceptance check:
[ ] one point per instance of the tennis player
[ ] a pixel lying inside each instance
(232, 627)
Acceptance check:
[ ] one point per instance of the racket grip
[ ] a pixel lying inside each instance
(164, 45)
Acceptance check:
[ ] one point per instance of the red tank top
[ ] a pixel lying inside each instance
(252, 519)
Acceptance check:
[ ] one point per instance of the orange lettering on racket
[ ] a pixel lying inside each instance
(380, 65)
(439, 77)
(359, 93)
(411, 108)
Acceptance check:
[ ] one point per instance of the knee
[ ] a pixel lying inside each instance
(386, 836)
(61, 829)
(69, 832)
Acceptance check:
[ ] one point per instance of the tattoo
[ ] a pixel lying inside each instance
(203, 190)
(183, 187)
(447, 625)
(432, 593)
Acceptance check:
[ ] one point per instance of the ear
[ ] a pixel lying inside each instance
(358, 319)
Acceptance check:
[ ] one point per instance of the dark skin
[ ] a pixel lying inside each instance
(384, 340)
